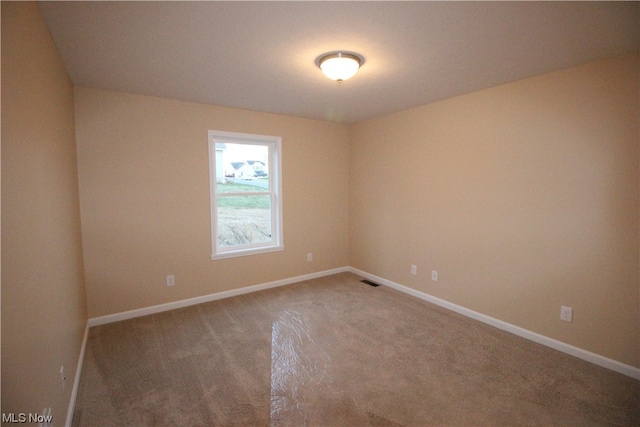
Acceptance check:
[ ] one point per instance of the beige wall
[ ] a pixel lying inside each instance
(144, 195)
(523, 197)
(43, 299)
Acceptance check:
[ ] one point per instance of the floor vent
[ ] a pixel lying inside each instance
(369, 282)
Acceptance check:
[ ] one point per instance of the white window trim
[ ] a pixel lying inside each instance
(275, 186)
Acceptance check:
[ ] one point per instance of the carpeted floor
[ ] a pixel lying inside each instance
(336, 352)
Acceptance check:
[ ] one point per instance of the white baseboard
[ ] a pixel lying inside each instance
(594, 358)
(211, 297)
(76, 380)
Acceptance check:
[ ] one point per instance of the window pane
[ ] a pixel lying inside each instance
(244, 220)
(245, 164)
(244, 172)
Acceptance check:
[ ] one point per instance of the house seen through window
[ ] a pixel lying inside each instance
(246, 207)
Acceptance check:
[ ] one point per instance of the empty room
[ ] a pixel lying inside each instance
(320, 213)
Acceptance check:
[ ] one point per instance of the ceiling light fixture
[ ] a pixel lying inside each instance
(340, 66)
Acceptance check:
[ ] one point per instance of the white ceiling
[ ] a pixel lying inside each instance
(261, 55)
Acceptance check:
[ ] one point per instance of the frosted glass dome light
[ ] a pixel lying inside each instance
(339, 66)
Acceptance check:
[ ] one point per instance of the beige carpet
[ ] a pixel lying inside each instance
(336, 352)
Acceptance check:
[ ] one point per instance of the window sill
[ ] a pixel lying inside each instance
(246, 252)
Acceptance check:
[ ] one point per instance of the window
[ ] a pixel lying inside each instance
(245, 186)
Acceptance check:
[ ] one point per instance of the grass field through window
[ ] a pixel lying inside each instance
(239, 201)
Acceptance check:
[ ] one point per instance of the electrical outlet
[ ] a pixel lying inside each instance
(414, 269)
(171, 280)
(310, 256)
(63, 378)
(566, 314)
(434, 275)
